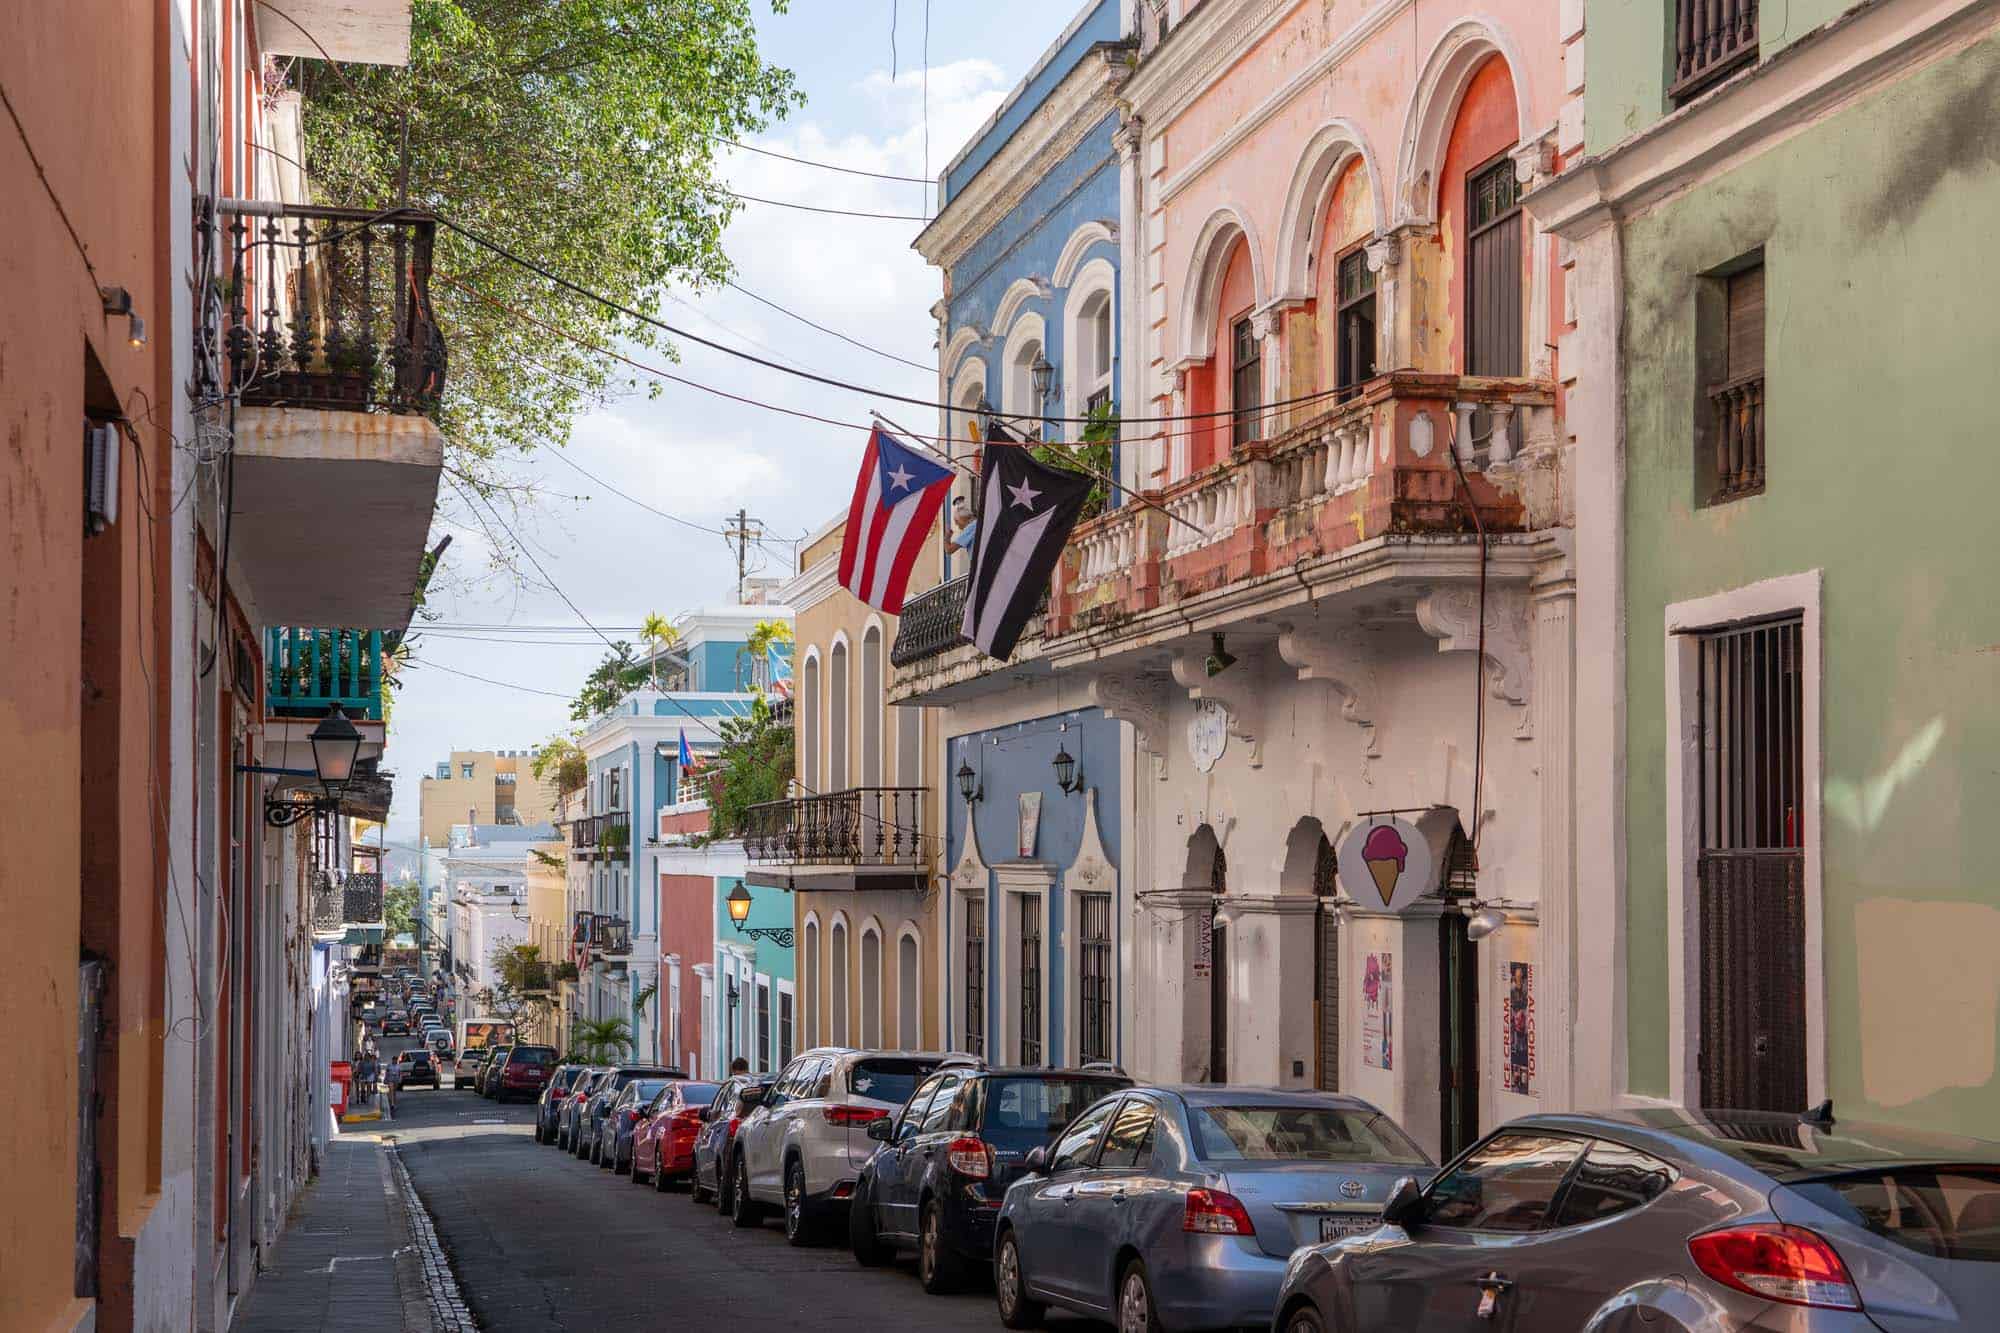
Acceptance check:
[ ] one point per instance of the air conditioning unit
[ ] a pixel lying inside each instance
(100, 477)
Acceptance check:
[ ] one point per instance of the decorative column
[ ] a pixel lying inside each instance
(1129, 349)
(1534, 162)
(1385, 261)
(1554, 610)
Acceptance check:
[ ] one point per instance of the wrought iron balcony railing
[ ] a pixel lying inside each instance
(310, 670)
(862, 826)
(930, 623)
(600, 836)
(361, 897)
(325, 308)
(326, 904)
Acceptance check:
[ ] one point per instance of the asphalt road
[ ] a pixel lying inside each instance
(540, 1240)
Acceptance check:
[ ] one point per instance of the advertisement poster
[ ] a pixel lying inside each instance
(1517, 1040)
(1031, 823)
(1204, 945)
(1378, 1011)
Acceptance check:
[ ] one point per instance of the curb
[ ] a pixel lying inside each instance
(432, 1302)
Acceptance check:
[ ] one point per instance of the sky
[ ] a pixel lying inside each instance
(698, 457)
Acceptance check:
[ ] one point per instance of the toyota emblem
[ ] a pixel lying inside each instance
(1351, 1189)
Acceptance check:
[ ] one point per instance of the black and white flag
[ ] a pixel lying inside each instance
(1026, 513)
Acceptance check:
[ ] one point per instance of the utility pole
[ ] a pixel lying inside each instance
(745, 531)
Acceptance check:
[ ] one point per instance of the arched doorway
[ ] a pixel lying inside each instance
(1208, 868)
(1309, 871)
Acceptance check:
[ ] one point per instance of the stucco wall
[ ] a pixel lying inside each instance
(1880, 328)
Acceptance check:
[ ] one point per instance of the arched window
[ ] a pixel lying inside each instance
(1231, 380)
(837, 970)
(1480, 199)
(836, 707)
(1022, 400)
(909, 1016)
(809, 985)
(871, 988)
(1091, 356)
(809, 714)
(1344, 285)
(872, 707)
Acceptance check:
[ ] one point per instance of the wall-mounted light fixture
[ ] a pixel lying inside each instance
(969, 786)
(1219, 658)
(1482, 921)
(118, 301)
(1043, 374)
(336, 745)
(1067, 777)
(739, 912)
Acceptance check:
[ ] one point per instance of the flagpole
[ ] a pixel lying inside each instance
(1072, 463)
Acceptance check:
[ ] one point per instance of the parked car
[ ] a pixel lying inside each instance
(525, 1073)
(570, 1114)
(1180, 1207)
(556, 1091)
(591, 1115)
(708, 1177)
(415, 1068)
(1676, 1219)
(945, 1161)
(489, 1075)
(469, 1067)
(663, 1140)
(803, 1147)
(620, 1127)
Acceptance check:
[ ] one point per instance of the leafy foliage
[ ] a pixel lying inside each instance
(612, 679)
(520, 995)
(659, 635)
(600, 1040)
(562, 760)
(764, 636)
(755, 765)
(1092, 453)
(399, 908)
(581, 134)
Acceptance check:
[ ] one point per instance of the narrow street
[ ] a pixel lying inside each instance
(540, 1240)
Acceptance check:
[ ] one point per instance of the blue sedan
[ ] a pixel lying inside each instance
(1179, 1208)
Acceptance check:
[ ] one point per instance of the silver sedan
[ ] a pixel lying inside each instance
(1178, 1208)
(1674, 1221)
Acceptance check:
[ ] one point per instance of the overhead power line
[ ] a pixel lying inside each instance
(836, 333)
(823, 166)
(816, 208)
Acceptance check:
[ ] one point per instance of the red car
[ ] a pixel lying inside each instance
(663, 1144)
(525, 1074)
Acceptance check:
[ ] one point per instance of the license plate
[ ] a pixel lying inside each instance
(1340, 1225)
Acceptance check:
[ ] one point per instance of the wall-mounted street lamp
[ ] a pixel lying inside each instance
(1483, 922)
(1067, 777)
(1219, 658)
(336, 745)
(739, 912)
(1043, 374)
(969, 786)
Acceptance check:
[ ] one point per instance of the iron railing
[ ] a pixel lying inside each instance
(310, 670)
(326, 904)
(598, 836)
(930, 623)
(862, 826)
(361, 899)
(1739, 436)
(1712, 40)
(328, 308)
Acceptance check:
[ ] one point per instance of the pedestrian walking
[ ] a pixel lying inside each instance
(364, 1078)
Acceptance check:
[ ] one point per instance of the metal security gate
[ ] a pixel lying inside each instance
(1031, 978)
(89, 1179)
(1094, 976)
(975, 976)
(1326, 971)
(1751, 868)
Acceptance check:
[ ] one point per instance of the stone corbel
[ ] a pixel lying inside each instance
(1235, 689)
(1140, 698)
(1451, 616)
(969, 875)
(1535, 161)
(1337, 655)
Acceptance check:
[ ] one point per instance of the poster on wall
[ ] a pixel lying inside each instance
(1031, 823)
(1378, 1011)
(1204, 946)
(1517, 1039)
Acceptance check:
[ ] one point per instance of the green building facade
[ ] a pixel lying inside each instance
(1784, 324)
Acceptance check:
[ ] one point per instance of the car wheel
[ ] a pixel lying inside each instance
(696, 1193)
(725, 1188)
(799, 1228)
(624, 1162)
(862, 1237)
(743, 1209)
(1010, 1287)
(659, 1172)
(937, 1267)
(1135, 1301)
(538, 1131)
(634, 1174)
(1304, 1319)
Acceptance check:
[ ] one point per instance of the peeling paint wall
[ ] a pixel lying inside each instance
(1880, 332)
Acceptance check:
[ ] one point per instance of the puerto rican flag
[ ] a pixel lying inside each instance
(896, 499)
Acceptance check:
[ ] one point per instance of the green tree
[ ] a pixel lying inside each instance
(659, 634)
(1091, 452)
(764, 636)
(399, 907)
(600, 1040)
(755, 765)
(560, 759)
(611, 680)
(521, 992)
(580, 134)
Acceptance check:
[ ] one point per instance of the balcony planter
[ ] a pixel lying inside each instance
(615, 838)
(564, 972)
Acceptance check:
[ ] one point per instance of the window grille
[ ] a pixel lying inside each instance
(1094, 976)
(1355, 344)
(975, 976)
(1031, 978)
(1493, 269)
(1712, 40)
(1246, 382)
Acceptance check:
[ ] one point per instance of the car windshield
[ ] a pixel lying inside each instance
(887, 1079)
(534, 1055)
(698, 1094)
(1948, 1212)
(1025, 1113)
(1301, 1134)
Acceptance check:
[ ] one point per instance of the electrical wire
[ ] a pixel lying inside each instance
(504, 684)
(824, 166)
(836, 333)
(818, 208)
(672, 518)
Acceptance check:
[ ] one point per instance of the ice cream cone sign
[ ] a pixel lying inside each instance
(1385, 863)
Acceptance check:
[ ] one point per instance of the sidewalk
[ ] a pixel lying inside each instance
(355, 1255)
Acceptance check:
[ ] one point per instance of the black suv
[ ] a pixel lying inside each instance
(948, 1156)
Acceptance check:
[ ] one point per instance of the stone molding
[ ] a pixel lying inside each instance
(1451, 615)
(1338, 655)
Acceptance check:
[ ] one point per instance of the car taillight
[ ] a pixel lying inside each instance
(1786, 1264)
(852, 1115)
(1214, 1213)
(734, 1121)
(970, 1157)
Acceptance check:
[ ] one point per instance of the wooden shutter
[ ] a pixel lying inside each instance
(1746, 324)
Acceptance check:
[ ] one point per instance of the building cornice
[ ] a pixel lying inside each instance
(1063, 120)
(812, 585)
(1213, 61)
(1820, 74)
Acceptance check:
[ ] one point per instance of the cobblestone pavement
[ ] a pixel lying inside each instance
(539, 1240)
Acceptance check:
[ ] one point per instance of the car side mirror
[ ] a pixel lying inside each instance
(1037, 1161)
(1405, 1206)
(881, 1130)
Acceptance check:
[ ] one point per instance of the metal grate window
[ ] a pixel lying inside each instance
(1031, 978)
(1355, 348)
(1246, 381)
(1493, 270)
(975, 976)
(784, 1028)
(1751, 866)
(763, 1026)
(1094, 975)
